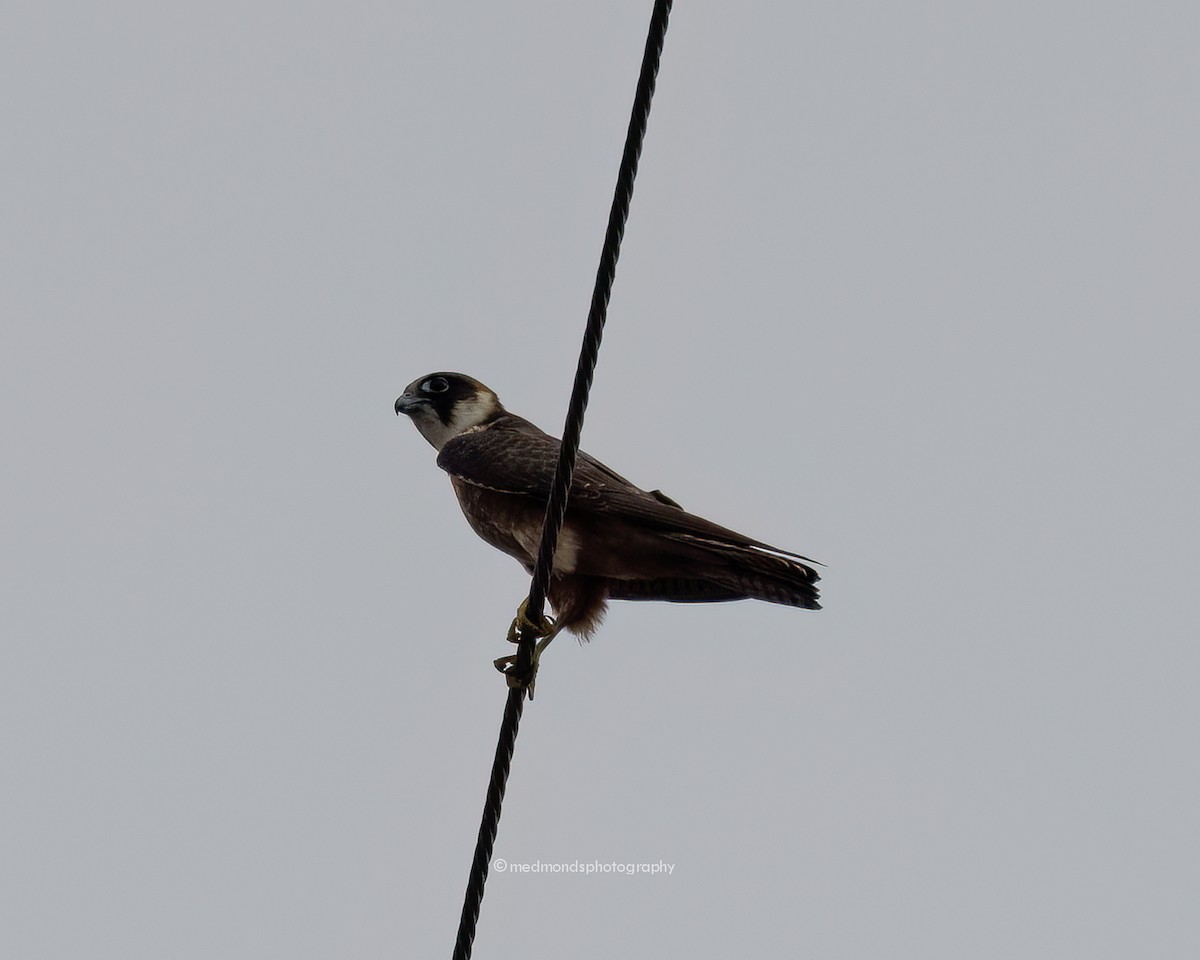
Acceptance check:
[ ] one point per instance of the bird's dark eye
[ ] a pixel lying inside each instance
(436, 385)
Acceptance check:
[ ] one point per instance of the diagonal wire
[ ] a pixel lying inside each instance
(490, 823)
(556, 508)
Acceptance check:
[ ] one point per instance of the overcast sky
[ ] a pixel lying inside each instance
(911, 289)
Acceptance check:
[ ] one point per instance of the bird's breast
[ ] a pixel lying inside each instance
(513, 524)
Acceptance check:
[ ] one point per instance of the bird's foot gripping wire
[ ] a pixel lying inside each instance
(523, 629)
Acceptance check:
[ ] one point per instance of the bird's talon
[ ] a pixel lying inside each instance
(508, 667)
(523, 625)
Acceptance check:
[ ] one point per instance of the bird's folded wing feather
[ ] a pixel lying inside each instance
(520, 459)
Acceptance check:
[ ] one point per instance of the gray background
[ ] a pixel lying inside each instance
(909, 288)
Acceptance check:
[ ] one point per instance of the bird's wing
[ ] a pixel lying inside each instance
(650, 513)
(513, 456)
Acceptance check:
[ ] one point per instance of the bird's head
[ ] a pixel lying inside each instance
(443, 405)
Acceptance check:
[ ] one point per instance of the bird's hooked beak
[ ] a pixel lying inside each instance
(407, 403)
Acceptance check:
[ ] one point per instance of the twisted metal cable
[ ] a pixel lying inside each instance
(556, 509)
(557, 506)
(491, 822)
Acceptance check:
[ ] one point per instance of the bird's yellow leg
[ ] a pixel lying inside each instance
(523, 625)
(545, 631)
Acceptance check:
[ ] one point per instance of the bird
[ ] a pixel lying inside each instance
(618, 541)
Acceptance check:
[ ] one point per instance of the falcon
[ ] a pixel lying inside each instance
(618, 542)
